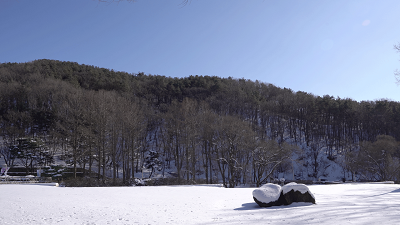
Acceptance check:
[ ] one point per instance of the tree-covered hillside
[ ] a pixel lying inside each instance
(234, 130)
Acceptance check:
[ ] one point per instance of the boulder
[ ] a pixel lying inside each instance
(273, 195)
(294, 192)
(267, 195)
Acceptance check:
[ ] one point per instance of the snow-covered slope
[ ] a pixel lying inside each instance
(336, 204)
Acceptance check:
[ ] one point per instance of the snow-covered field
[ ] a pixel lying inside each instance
(336, 204)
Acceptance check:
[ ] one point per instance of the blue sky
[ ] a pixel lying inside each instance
(342, 48)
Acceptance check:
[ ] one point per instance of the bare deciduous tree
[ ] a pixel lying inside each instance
(378, 160)
(267, 157)
(397, 72)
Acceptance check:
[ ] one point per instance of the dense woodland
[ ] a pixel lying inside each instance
(234, 131)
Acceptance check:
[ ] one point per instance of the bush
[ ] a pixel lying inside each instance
(92, 182)
(167, 181)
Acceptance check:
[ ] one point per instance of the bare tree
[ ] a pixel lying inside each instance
(267, 157)
(234, 141)
(397, 72)
(378, 160)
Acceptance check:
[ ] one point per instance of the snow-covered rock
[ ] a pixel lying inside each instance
(267, 195)
(296, 187)
(274, 195)
(293, 192)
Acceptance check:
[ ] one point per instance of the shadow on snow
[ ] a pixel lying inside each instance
(254, 206)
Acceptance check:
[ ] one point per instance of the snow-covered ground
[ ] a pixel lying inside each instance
(336, 204)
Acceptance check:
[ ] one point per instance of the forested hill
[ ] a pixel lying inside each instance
(100, 110)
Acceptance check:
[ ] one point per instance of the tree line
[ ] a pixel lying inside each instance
(236, 131)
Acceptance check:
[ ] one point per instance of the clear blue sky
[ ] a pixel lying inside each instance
(342, 48)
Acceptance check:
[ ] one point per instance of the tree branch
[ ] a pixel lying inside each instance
(397, 72)
(397, 47)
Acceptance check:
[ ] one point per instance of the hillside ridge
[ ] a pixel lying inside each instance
(218, 129)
